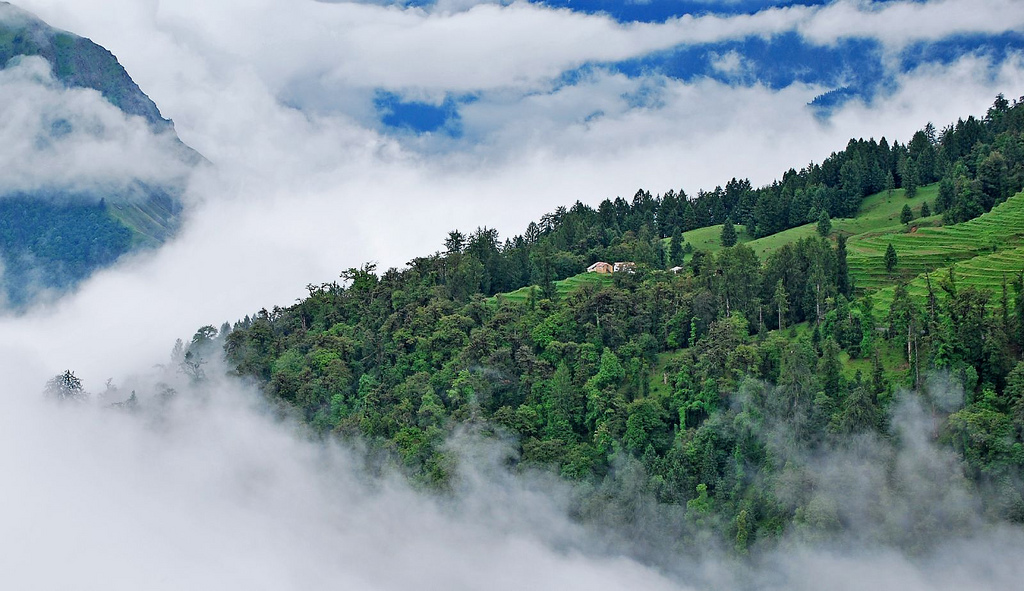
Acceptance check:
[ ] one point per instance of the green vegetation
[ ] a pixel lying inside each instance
(152, 221)
(54, 246)
(709, 239)
(728, 238)
(690, 387)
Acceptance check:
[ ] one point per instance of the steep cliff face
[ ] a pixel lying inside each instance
(89, 168)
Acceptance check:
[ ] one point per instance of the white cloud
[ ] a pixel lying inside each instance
(897, 24)
(334, 47)
(57, 139)
(297, 197)
(213, 494)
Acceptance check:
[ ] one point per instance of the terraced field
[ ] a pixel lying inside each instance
(927, 249)
(984, 272)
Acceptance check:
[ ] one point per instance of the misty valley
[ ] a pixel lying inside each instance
(403, 372)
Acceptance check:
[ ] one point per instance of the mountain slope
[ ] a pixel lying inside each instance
(93, 168)
(76, 61)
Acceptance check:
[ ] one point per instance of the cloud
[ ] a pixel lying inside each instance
(55, 139)
(211, 491)
(222, 493)
(330, 48)
(898, 24)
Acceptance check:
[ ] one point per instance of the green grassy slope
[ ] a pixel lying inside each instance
(929, 248)
(152, 222)
(878, 213)
(709, 239)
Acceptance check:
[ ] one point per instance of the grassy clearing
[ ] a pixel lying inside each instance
(881, 211)
(769, 244)
(563, 287)
(709, 239)
(152, 223)
(878, 213)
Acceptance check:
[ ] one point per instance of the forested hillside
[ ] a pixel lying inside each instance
(694, 383)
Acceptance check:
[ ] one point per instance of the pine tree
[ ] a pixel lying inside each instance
(675, 248)
(910, 180)
(824, 224)
(906, 215)
(890, 258)
(925, 210)
(65, 387)
(781, 299)
(842, 267)
(728, 234)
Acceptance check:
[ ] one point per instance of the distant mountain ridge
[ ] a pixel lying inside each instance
(76, 61)
(51, 239)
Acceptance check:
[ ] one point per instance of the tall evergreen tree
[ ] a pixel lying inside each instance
(910, 180)
(891, 260)
(824, 224)
(842, 268)
(728, 233)
(781, 299)
(906, 215)
(675, 248)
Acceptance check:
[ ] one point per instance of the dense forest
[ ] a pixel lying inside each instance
(691, 380)
(48, 244)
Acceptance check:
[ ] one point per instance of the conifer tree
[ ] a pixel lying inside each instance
(890, 258)
(842, 267)
(728, 234)
(906, 215)
(675, 248)
(781, 302)
(824, 224)
(910, 179)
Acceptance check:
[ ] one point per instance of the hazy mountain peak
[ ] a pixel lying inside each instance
(76, 61)
(92, 169)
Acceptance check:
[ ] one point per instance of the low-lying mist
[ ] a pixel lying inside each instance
(209, 486)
